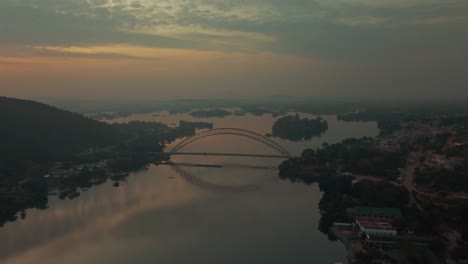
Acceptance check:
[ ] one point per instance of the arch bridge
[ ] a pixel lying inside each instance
(281, 152)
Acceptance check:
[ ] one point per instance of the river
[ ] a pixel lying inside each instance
(234, 214)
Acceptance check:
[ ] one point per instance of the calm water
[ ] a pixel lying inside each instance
(195, 215)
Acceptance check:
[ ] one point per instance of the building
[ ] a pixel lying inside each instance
(376, 232)
(371, 227)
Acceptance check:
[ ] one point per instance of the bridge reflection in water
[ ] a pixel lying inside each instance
(177, 167)
(212, 186)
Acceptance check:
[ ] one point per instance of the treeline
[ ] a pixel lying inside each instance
(295, 129)
(389, 118)
(360, 156)
(107, 116)
(196, 125)
(401, 112)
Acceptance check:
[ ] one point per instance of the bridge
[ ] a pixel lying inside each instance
(281, 152)
(231, 155)
(177, 167)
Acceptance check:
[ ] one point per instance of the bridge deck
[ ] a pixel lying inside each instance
(230, 155)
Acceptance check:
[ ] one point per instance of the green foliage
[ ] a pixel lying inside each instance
(105, 116)
(295, 129)
(196, 125)
(380, 194)
(444, 179)
(359, 156)
(259, 111)
(333, 207)
(38, 132)
(354, 155)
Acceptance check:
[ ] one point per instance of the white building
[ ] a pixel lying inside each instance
(374, 227)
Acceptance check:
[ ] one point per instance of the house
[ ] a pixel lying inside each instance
(371, 227)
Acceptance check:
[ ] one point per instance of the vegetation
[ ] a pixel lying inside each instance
(33, 194)
(196, 125)
(107, 116)
(36, 133)
(259, 111)
(402, 112)
(380, 194)
(295, 129)
(340, 194)
(352, 155)
(359, 156)
(210, 113)
(444, 180)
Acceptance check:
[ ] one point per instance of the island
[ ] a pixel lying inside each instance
(260, 111)
(296, 129)
(196, 125)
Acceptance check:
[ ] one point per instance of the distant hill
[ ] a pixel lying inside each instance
(32, 131)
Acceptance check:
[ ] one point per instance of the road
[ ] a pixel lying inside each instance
(409, 178)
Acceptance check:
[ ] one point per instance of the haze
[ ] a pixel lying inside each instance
(146, 49)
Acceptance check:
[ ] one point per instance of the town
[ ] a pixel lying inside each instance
(398, 198)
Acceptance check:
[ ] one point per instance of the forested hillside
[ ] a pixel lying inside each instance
(32, 132)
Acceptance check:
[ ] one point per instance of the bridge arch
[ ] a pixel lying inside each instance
(231, 131)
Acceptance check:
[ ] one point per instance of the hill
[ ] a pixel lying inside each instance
(33, 132)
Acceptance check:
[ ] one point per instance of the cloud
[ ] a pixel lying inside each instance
(157, 34)
(213, 24)
(86, 52)
(443, 20)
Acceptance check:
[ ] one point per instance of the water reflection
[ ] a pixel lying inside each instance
(96, 213)
(190, 178)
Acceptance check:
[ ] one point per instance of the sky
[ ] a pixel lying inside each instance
(164, 49)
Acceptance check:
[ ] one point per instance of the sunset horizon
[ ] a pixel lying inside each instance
(168, 49)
